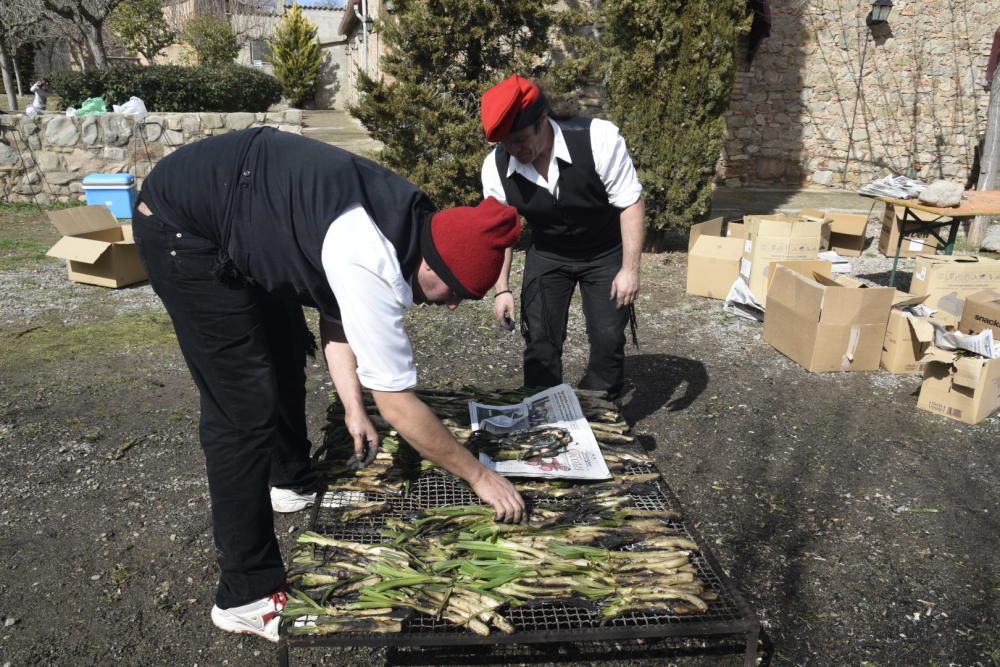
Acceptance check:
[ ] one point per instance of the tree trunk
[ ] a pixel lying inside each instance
(17, 72)
(95, 42)
(8, 83)
(989, 164)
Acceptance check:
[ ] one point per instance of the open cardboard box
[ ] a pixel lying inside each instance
(847, 230)
(97, 250)
(908, 336)
(947, 280)
(825, 323)
(962, 387)
(714, 251)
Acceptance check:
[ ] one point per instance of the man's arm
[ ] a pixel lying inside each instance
(625, 286)
(343, 367)
(503, 304)
(422, 429)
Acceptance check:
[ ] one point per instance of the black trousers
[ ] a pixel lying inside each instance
(547, 289)
(246, 351)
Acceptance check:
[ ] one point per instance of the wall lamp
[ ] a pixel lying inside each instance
(879, 13)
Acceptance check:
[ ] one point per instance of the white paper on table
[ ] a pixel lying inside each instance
(556, 407)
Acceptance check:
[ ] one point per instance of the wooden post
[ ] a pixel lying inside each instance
(989, 163)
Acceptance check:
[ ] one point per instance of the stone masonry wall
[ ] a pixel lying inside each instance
(46, 158)
(921, 110)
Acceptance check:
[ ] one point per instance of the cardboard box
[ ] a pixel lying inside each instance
(982, 311)
(913, 244)
(908, 336)
(847, 230)
(713, 259)
(948, 280)
(966, 388)
(826, 324)
(777, 238)
(97, 250)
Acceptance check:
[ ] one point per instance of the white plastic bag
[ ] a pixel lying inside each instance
(30, 111)
(134, 107)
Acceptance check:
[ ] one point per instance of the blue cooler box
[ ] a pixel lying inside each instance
(116, 191)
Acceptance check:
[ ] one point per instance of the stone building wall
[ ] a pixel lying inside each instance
(46, 158)
(921, 110)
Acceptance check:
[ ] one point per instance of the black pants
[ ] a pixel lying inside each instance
(246, 351)
(548, 287)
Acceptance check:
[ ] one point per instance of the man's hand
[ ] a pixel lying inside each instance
(503, 308)
(501, 495)
(362, 430)
(625, 287)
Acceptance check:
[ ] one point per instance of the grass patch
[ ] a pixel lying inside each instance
(59, 343)
(16, 253)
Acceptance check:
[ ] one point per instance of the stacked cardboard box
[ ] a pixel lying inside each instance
(778, 238)
(982, 311)
(948, 280)
(825, 323)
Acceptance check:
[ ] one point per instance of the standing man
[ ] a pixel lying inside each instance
(574, 183)
(237, 232)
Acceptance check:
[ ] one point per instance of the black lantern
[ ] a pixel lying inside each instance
(880, 12)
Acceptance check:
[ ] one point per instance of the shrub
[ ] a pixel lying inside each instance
(296, 56)
(172, 87)
(212, 39)
(669, 74)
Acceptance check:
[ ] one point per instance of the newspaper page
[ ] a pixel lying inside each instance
(556, 407)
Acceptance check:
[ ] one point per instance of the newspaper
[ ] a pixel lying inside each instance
(557, 407)
(894, 187)
(741, 302)
(981, 343)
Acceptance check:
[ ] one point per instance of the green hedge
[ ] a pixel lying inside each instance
(172, 87)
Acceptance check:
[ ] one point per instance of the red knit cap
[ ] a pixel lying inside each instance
(465, 245)
(512, 104)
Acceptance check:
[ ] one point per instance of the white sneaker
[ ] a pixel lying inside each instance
(286, 500)
(261, 617)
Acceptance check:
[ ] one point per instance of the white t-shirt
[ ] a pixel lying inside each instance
(611, 162)
(364, 273)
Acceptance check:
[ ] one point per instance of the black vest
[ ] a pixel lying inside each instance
(269, 197)
(581, 222)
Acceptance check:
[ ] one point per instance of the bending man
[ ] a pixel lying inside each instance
(238, 232)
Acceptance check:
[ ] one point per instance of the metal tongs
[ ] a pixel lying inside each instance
(356, 462)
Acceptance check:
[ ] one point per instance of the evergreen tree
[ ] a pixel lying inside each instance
(669, 74)
(441, 56)
(141, 27)
(212, 39)
(296, 56)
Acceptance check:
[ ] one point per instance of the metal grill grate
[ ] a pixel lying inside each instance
(542, 623)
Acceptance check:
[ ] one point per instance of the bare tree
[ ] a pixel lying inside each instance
(249, 19)
(21, 21)
(89, 16)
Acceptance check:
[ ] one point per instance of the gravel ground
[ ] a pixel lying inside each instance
(860, 529)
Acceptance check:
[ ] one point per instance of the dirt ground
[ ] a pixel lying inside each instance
(861, 530)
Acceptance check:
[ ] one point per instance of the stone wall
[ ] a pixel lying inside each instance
(922, 104)
(45, 158)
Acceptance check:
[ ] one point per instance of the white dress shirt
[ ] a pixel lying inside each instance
(362, 268)
(611, 162)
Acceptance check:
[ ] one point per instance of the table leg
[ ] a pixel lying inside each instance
(952, 235)
(899, 246)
